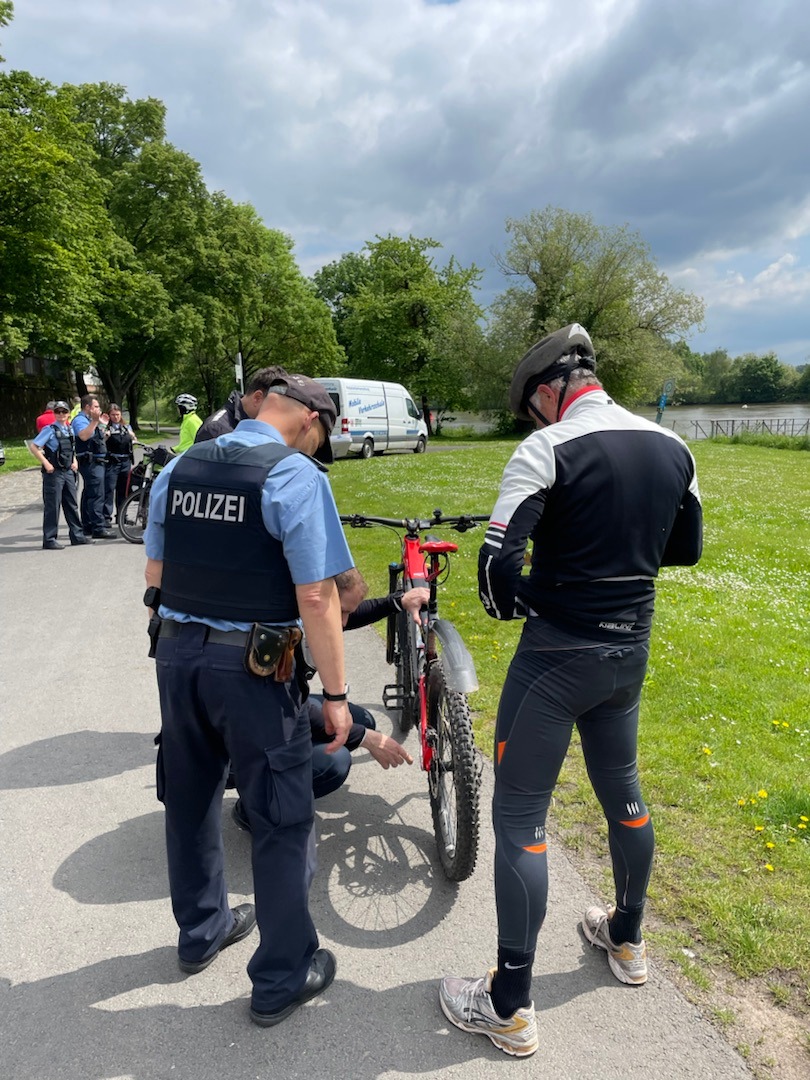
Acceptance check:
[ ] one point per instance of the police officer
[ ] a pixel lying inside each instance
(91, 454)
(239, 406)
(243, 540)
(54, 450)
(119, 438)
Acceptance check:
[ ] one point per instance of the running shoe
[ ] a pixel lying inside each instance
(628, 962)
(467, 1004)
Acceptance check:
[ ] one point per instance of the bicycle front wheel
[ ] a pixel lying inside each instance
(454, 778)
(133, 516)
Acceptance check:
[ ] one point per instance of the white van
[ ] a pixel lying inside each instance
(373, 417)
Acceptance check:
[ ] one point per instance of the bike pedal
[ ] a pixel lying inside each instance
(393, 696)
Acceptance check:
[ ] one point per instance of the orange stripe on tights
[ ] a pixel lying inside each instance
(501, 748)
(637, 823)
(538, 849)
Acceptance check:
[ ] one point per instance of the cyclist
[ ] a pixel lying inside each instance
(190, 423)
(607, 498)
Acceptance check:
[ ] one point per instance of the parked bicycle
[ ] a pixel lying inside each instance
(134, 512)
(434, 675)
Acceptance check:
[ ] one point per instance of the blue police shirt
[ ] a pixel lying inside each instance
(47, 437)
(298, 508)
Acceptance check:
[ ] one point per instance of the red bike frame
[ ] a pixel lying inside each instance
(421, 563)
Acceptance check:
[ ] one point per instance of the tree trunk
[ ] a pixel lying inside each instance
(133, 401)
(426, 414)
(81, 385)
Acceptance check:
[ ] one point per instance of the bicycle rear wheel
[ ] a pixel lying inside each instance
(406, 673)
(454, 778)
(133, 515)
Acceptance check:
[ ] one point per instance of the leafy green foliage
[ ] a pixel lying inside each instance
(569, 269)
(402, 318)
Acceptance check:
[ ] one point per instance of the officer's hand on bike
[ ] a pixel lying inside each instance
(385, 750)
(413, 600)
(337, 721)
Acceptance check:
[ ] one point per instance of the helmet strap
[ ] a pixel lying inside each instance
(563, 390)
(537, 414)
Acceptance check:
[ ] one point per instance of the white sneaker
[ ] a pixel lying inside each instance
(467, 1003)
(628, 962)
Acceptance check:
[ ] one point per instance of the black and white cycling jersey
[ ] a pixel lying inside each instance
(606, 498)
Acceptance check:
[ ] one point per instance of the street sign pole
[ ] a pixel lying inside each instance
(666, 392)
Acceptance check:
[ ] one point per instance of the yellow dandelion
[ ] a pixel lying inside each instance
(792, 840)
(802, 825)
(785, 723)
(706, 750)
(759, 828)
(762, 793)
(740, 802)
(770, 844)
(803, 818)
(775, 723)
(768, 867)
(753, 802)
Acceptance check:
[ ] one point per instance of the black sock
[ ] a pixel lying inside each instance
(512, 982)
(625, 925)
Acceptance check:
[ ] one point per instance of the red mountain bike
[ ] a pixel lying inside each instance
(435, 673)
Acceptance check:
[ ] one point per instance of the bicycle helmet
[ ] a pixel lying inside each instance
(186, 403)
(557, 354)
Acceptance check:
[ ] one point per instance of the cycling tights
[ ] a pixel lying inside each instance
(557, 680)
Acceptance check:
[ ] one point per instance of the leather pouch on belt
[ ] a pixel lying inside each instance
(270, 651)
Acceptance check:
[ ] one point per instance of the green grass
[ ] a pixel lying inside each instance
(725, 728)
(775, 442)
(17, 457)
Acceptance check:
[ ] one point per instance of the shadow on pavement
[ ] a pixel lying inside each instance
(75, 758)
(379, 883)
(344, 1033)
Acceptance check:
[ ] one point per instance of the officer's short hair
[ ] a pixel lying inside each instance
(264, 378)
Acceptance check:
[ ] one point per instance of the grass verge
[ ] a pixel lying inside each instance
(725, 728)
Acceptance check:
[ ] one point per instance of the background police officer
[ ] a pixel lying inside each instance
(91, 454)
(120, 439)
(54, 450)
(244, 530)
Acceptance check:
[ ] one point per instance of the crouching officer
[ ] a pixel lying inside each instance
(54, 449)
(243, 540)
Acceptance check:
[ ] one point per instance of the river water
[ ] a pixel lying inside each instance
(690, 421)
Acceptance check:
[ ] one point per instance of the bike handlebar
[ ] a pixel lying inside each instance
(413, 526)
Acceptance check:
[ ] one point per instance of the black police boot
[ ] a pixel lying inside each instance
(244, 920)
(105, 534)
(321, 973)
(52, 545)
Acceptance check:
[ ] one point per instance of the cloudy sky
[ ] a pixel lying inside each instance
(341, 119)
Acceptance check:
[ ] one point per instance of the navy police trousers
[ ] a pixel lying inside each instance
(213, 711)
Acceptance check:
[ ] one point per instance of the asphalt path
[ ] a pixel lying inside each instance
(89, 984)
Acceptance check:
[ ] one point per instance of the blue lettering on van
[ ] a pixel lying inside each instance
(354, 401)
(371, 408)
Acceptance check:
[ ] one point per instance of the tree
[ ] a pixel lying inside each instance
(757, 378)
(55, 236)
(572, 270)
(337, 283)
(411, 322)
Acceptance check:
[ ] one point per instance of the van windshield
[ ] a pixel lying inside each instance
(335, 402)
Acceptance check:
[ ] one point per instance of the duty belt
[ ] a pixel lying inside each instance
(170, 628)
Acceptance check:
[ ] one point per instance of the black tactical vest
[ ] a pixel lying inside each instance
(219, 561)
(93, 446)
(62, 456)
(119, 441)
